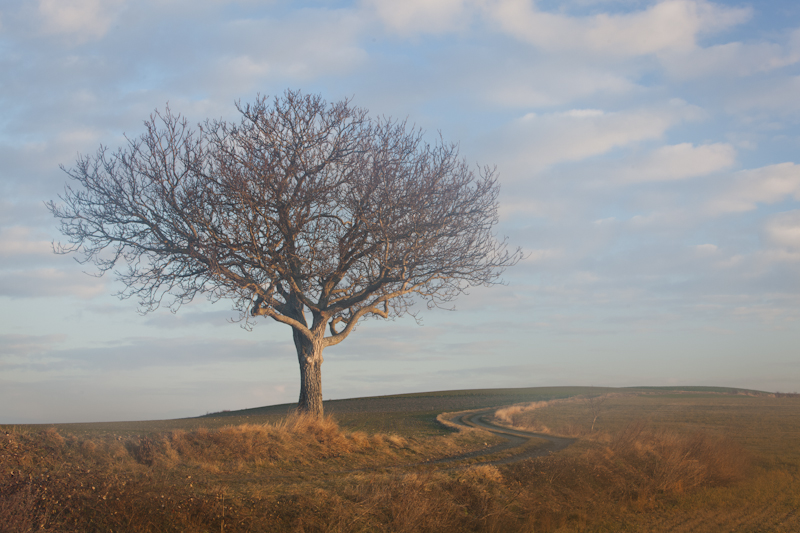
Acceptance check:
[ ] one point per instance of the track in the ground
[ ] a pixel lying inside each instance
(514, 439)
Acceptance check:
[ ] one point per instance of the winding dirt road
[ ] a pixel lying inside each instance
(515, 439)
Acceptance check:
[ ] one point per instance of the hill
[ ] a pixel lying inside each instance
(677, 459)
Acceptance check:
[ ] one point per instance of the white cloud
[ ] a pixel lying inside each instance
(706, 250)
(783, 230)
(732, 59)
(81, 19)
(634, 263)
(765, 185)
(547, 83)
(303, 47)
(420, 16)
(535, 142)
(678, 162)
(668, 25)
(543, 255)
(20, 240)
(777, 95)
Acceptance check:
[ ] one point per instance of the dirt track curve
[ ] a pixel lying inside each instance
(514, 439)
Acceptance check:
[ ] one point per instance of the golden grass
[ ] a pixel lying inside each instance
(187, 480)
(681, 462)
(656, 462)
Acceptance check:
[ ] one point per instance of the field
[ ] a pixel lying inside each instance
(677, 460)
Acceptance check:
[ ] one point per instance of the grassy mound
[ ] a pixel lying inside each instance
(657, 462)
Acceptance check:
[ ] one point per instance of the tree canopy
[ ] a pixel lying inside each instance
(313, 214)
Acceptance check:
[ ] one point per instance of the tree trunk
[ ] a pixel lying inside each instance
(309, 355)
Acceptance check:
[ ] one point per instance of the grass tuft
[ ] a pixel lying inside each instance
(658, 462)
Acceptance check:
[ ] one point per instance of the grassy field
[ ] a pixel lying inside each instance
(700, 459)
(753, 440)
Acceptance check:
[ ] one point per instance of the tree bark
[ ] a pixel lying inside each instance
(309, 355)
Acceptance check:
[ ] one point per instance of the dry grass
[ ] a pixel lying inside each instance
(649, 459)
(670, 461)
(657, 463)
(240, 478)
(581, 413)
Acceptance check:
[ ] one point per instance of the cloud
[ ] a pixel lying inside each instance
(519, 82)
(380, 340)
(29, 268)
(678, 162)
(542, 255)
(187, 318)
(670, 25)
(26, 345)
(21, 244)
(420, 16)
(777, 95)
(82, 20)
(732, 59)
(783, 231)
(300, 47)
(36, 356)
(667, 25)
(535, 142)
(50, 282)
(706, 250)
(596, 74)
(765, 185)
(147, 352)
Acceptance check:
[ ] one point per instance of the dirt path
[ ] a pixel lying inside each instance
(515, 439)
(522, 444)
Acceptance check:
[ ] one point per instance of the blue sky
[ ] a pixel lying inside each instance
(647, 152)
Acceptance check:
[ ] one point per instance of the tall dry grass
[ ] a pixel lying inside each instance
(650, 460)
(306, 475)
(178, 482)
(162, 482)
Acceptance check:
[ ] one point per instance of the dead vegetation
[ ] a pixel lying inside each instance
(301, 474)
(304, 475)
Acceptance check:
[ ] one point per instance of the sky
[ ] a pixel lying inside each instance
(647, 153)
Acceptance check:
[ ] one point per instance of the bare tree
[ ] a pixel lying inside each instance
(311, 214)
(596, 406)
